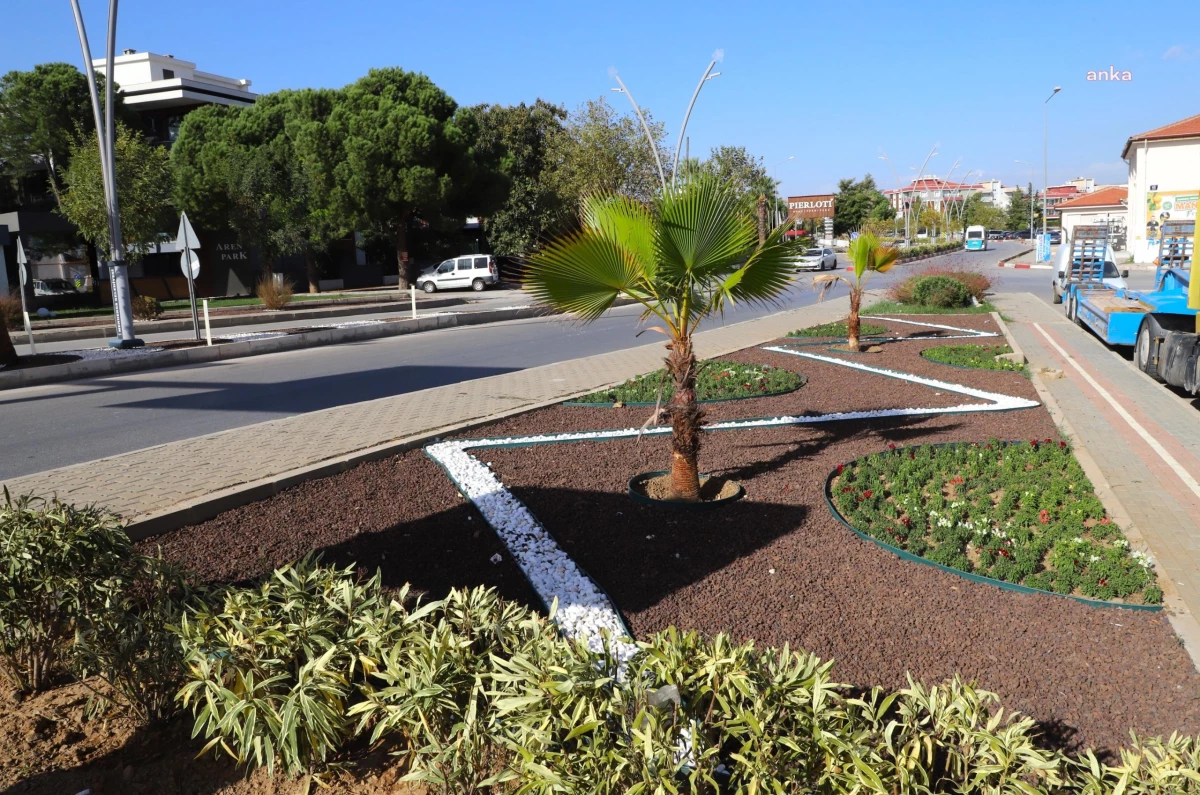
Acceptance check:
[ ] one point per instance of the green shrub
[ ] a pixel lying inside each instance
(131, 644)
(271, 670)
(146, 307)
(941, 291)
(56, 563)
(980, 357)
(839, 330)
(715, 380)
(10, 312)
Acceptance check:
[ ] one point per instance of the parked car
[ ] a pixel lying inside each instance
(995, 234)
(44, 287)
(1055, 236)
(817, 259)
(476, 271)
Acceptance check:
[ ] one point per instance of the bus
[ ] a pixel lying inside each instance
(976, 239)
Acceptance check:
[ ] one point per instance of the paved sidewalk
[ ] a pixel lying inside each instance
(173, 484)
(1144, 438)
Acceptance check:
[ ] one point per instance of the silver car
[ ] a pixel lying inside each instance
(817, 259)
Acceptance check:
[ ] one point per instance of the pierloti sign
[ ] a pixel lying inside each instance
(820, 206)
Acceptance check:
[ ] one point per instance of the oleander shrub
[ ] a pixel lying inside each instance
(146, 307)
(940, 291)
(977, 282)
(56, 561)
(1021, 512)
(10, 312)
(274, 290)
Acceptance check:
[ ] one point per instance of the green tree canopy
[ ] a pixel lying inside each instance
(522, 138)
(858, 200)
(743, 173)
(143, 189)
(978, 213)
(42, 111)
(1018, 211)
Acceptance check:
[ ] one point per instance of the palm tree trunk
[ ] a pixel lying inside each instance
(685, 422)
(852, 323)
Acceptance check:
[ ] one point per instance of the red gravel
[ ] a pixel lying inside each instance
(1089, 675)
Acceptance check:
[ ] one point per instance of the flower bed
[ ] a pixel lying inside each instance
(838, 330)
(1020, 513)
(714, 381)
(977, 357)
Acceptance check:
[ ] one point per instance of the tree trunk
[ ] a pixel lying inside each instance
(310, 269)
(8, 354)
(403, 261)
(762, 220)
(685, 422)
(852, 323)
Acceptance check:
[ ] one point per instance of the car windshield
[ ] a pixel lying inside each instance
(813, 252)
(1110, 271)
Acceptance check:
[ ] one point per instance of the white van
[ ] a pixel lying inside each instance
(1112, 277)
(477, 271)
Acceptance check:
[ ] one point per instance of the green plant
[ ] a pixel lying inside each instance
(942, 291)
(839, 330)
(146, 307)
(271, 670)
(1019, 512)
(896, 308)
(274, 290)
(867, 255)
(715, 380)
(130, 641)
(980, 357)
(54, 562)
(684, 258)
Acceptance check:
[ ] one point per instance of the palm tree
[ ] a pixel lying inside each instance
(869, 256)
(686, 256)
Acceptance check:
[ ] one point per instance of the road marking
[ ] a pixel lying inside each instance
(1170, 460)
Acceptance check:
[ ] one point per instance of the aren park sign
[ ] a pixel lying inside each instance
(803, 207)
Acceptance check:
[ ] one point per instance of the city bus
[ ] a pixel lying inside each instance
(976, 239)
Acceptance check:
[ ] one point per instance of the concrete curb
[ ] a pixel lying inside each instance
(350, 309)
(1014, 256)
(93, 368)
(1182, 621)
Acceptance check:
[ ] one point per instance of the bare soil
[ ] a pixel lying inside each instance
(775, 566)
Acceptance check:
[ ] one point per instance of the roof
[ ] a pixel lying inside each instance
(1112, 196)
(1062, 190)
(934, 184)
(1185, 128)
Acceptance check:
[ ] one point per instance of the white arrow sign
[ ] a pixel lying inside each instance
(21, 261)
(187, 236)
(194, 263)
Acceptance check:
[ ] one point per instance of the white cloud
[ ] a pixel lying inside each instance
(1180, 51)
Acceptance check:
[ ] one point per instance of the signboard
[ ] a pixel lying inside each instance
(819, 206)
(1163, 206)
(188, 261)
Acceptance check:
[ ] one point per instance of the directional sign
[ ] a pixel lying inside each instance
(187, 236)
(21, 261)
(184, 257)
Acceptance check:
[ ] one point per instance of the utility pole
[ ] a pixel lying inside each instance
(106, 139)
(1045, 154)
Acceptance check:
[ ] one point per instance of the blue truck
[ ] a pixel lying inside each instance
(1160, 323)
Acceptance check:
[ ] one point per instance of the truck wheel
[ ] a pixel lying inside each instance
(1145, 352)
(1057, 294)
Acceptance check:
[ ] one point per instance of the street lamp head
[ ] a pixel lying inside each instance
(1057, 89)
(618, 90)
(714, 74)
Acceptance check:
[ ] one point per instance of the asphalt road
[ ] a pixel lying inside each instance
(57, 425)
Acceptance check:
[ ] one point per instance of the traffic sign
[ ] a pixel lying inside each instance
(21, 261)
(186, 238)
(188, 261)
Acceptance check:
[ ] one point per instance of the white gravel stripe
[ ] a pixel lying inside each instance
(968, 333)
(584, 611)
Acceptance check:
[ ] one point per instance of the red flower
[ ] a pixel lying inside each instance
(1104, 520)
(891, 446)
(847, 489)
(1044, 516)
(840, 468)
(1062, 445)
(1033, 442)
(867, 494)
(906, 522)
(912, 456)
(1104, 582)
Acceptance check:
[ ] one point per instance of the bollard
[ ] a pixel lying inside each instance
(412, 293)
(207, 328)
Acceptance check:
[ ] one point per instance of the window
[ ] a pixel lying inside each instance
(446, 266)
(168, 74)
(481, 263)
(464, 264)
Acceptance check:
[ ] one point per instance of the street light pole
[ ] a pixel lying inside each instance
(106, 141)
(706, 77)
(1045, 153)
(775, 187)
(1031, 167)
(662, 177)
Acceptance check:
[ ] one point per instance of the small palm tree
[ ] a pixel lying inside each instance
(869, 256)
(684, 257)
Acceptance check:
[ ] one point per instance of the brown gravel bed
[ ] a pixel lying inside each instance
(1089, 675)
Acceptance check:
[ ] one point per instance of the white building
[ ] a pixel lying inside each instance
(931, 192)
(1164, 181)
(1100, 207)
(162, 88)
(993, 193)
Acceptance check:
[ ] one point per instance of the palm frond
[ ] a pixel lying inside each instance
(583, 274)
(702, 233)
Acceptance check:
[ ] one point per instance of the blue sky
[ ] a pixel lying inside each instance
(828, 83)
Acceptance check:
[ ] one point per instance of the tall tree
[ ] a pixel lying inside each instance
(744, 174)
(143, 184)
(400, 148)
(41, 113)
(856, 201)
(522, 137)
(1018, 211)
(604, 151)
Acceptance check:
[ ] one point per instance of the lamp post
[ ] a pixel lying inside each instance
(662, 178)
(775, 188)
(709, 74)
(921, 171)
(105, 137)
(1045, 153)
(1031, 167)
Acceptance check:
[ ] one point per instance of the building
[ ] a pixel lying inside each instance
(994, 194)
(1105, 206)
(931, 192)
(161, 89)
(1164, 181)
